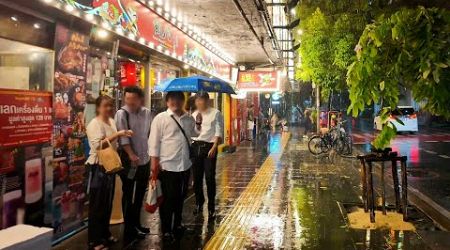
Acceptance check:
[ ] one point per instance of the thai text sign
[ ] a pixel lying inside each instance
(25, 117)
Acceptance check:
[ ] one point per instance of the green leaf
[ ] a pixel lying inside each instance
(382, 85)
(426, 73)
(441, 65)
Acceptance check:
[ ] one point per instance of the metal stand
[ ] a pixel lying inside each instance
(368, 194)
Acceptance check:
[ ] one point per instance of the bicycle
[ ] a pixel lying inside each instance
(336, 138)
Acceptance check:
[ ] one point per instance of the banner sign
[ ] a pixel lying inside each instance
(131, 16)
(25, 117)
(25, 157)
(259, 81)
(69, 130)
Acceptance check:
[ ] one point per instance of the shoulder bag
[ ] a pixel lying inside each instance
(188, 141)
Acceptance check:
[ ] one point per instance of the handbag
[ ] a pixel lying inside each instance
(188, 141)
(154, 198)
(109, 158)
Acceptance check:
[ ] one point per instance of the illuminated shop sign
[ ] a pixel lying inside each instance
(132, 19)
(259, 81)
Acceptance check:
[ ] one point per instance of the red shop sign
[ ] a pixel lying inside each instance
(259, 81)
(25, 117)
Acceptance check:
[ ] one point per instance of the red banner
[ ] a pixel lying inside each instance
(130, 16)
(258, 81)
(25, 117)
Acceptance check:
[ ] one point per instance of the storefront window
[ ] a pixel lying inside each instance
(24, 66)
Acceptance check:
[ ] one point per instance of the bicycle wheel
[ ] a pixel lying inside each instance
(315, 145)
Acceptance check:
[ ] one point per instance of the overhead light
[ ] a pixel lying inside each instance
(105, 25)
(89, 17)
(293, 11)
(101, 33)
(37, 26)
(15, 19)
(69, 8)
(159, 2)
(47, 1)
(186, 66)
(150, 3)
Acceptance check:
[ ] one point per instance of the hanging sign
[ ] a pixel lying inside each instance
(259, 81)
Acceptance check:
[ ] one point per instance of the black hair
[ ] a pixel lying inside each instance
(202, 95)
(175, 94)
(100, 99)
(134, 90)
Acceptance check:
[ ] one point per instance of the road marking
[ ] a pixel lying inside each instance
(444, 156)
(430, 152)
(431, 141)
(235, 227)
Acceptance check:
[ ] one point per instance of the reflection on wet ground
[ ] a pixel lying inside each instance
(275, 197)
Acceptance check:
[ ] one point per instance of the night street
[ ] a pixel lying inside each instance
(276, 195)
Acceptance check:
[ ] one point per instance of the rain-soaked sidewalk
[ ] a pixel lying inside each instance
(273, 194)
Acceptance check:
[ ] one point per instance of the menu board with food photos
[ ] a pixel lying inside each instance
(69, 130)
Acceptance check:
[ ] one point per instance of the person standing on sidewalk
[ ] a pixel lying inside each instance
(100, 130)
(135, 159)
(169, 149)
(205, 151)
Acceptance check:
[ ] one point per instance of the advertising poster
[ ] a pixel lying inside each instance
(25, 157)
(130, 16)
(69, 130)
(258, 81)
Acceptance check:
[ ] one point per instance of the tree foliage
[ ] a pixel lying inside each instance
(410, 49)
(330, 31)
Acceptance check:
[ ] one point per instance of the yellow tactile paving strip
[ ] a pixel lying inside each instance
(234, 229)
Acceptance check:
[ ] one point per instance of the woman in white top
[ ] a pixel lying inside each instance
(101, 186)
(210, 123)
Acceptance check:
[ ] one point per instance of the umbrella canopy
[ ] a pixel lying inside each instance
(195, 84)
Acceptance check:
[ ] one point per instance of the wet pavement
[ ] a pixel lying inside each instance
(274, 195)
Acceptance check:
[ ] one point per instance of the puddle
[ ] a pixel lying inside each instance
(358, 219)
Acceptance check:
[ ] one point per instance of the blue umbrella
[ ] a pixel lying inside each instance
(195, 84)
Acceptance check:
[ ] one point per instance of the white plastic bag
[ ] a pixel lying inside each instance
(154, 198)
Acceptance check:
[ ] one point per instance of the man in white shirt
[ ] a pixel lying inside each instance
(205, 151)
(169, 149)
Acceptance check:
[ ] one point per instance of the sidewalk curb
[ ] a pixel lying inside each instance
(437, 213)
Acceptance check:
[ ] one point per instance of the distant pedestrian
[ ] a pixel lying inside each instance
(169, 148)
(307, 122)
(205, 151)
(274, 122)
(100, 131)
(134, 154)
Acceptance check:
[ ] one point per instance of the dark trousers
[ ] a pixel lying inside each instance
(133, 196)
(204, 166)
(174, 187)
(101, 193)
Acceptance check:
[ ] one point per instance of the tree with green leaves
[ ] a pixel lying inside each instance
(408, 49)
